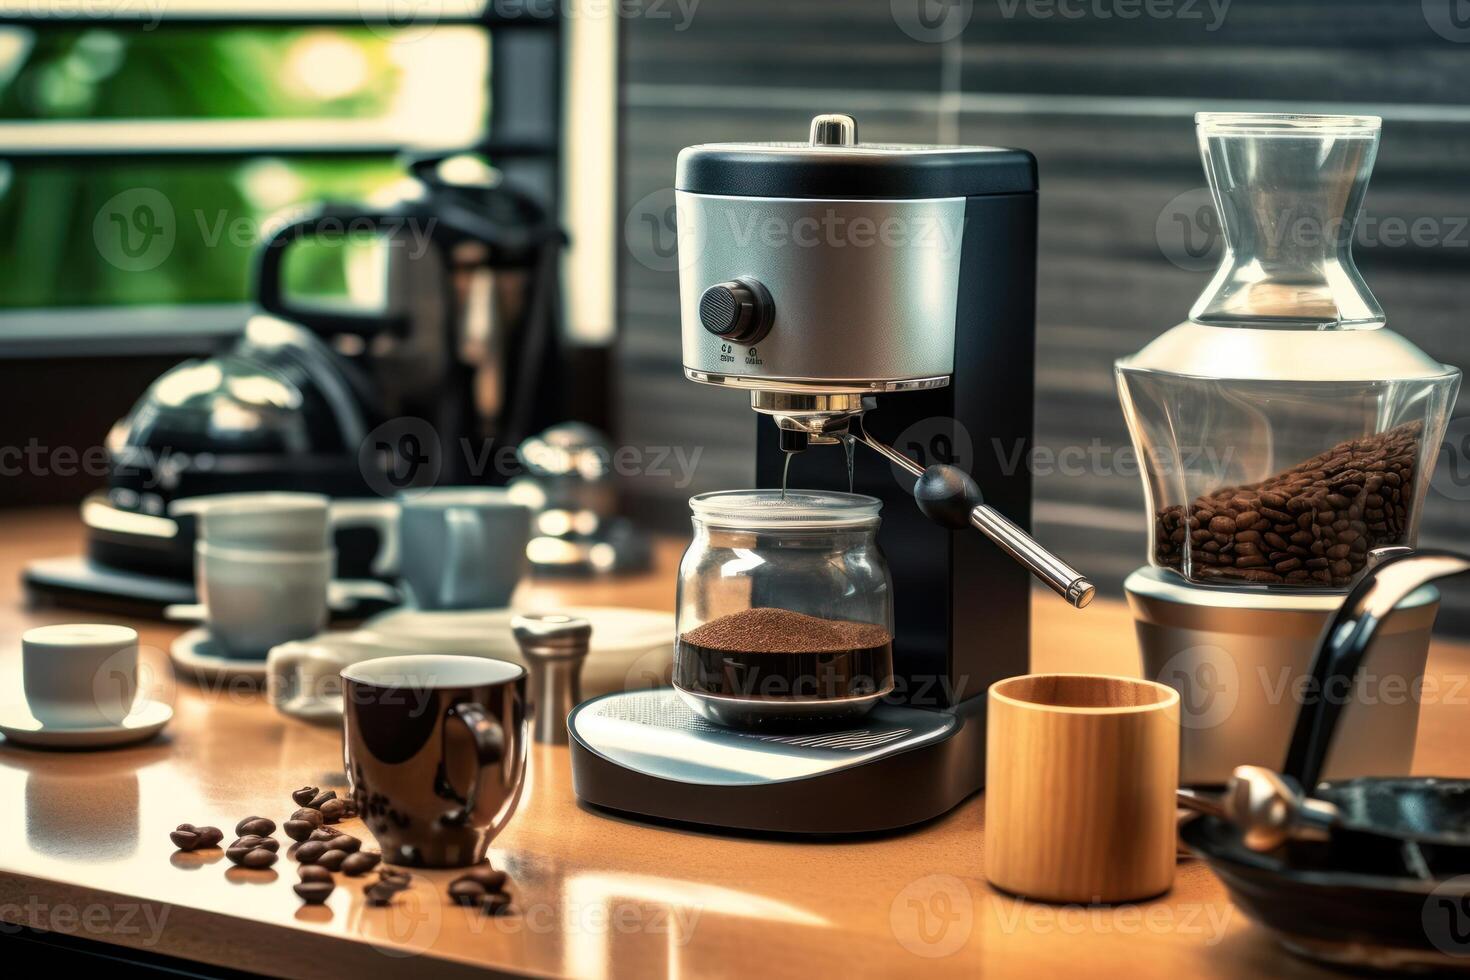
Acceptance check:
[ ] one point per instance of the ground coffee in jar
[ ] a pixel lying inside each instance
(1310, 526)
(767, 652)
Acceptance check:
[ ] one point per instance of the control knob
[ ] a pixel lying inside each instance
(739, 310)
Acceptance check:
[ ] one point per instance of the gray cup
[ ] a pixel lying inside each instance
(255, 599)
(462, 547)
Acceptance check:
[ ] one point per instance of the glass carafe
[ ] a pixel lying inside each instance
(1285, 433)
(785, 609)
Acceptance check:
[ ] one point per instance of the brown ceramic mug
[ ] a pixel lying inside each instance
(435, 751)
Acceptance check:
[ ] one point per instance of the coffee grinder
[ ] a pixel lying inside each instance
(856, 289)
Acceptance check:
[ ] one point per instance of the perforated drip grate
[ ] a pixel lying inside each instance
(854, 740)
(659, 709)
(665, 710)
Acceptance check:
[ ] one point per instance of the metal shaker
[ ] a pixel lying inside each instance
(554, 646)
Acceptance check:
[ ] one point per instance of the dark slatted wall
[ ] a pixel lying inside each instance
(1105, 102)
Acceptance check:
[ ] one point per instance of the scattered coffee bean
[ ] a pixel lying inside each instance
(314, 892)
(1338, 505)
(466, 891)
(184, 840)
(393, 878)
(344, 842)
(257, 857)
(380, 894)
(314, 872)
(481, 885)
(310, 852)
(322, 797)
(307, 815)
(248, 845)
(187, 837)
(298, 830)
(487, 877)
(259, 826)
(255, 840)
(325, 834)
(359, 863)
(304, 795)
(332, 859)
(333, 810)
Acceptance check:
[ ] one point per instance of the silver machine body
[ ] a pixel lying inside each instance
(839, 281)
(852, 314)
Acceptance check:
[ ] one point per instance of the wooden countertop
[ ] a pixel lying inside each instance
(84, 850)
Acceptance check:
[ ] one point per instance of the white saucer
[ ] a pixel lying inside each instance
(630, 648)
(147, 719)
(196, 654)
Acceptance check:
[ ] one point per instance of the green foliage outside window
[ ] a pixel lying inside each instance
(82, 232)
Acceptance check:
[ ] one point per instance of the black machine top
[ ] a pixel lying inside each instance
(833, 164)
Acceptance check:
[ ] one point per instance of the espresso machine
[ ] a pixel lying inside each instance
(878, 296)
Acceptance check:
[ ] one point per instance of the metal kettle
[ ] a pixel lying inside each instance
(464, 334)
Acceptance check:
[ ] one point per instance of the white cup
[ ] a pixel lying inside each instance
(280, 521)
(82, 675)
(302, 676)
(254, 599)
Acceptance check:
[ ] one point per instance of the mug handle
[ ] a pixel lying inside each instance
(283, 670)
(381, 516)
(492, 745)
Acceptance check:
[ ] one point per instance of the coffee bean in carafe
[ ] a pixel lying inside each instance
(767, 652)
(1311, 526)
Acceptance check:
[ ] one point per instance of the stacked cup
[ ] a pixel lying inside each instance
(262, 565)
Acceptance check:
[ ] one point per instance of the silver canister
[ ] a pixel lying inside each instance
(1241, 662)
(554, 647)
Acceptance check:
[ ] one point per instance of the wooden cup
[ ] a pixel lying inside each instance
(1081, 773)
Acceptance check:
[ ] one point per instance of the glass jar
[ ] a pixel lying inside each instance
(785, 609)
(1285, 434)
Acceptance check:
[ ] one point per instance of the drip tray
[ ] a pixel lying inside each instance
(646, 753)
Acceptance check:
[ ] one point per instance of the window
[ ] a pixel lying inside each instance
(145, 149)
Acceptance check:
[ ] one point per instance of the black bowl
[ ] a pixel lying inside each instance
(1342, 918)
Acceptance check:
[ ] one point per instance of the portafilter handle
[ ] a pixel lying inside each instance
(950, 497)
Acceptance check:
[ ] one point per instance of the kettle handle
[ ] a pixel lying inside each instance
(1345, 642)
(321, 319)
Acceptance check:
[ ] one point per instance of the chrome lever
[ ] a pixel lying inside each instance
(953, 500)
